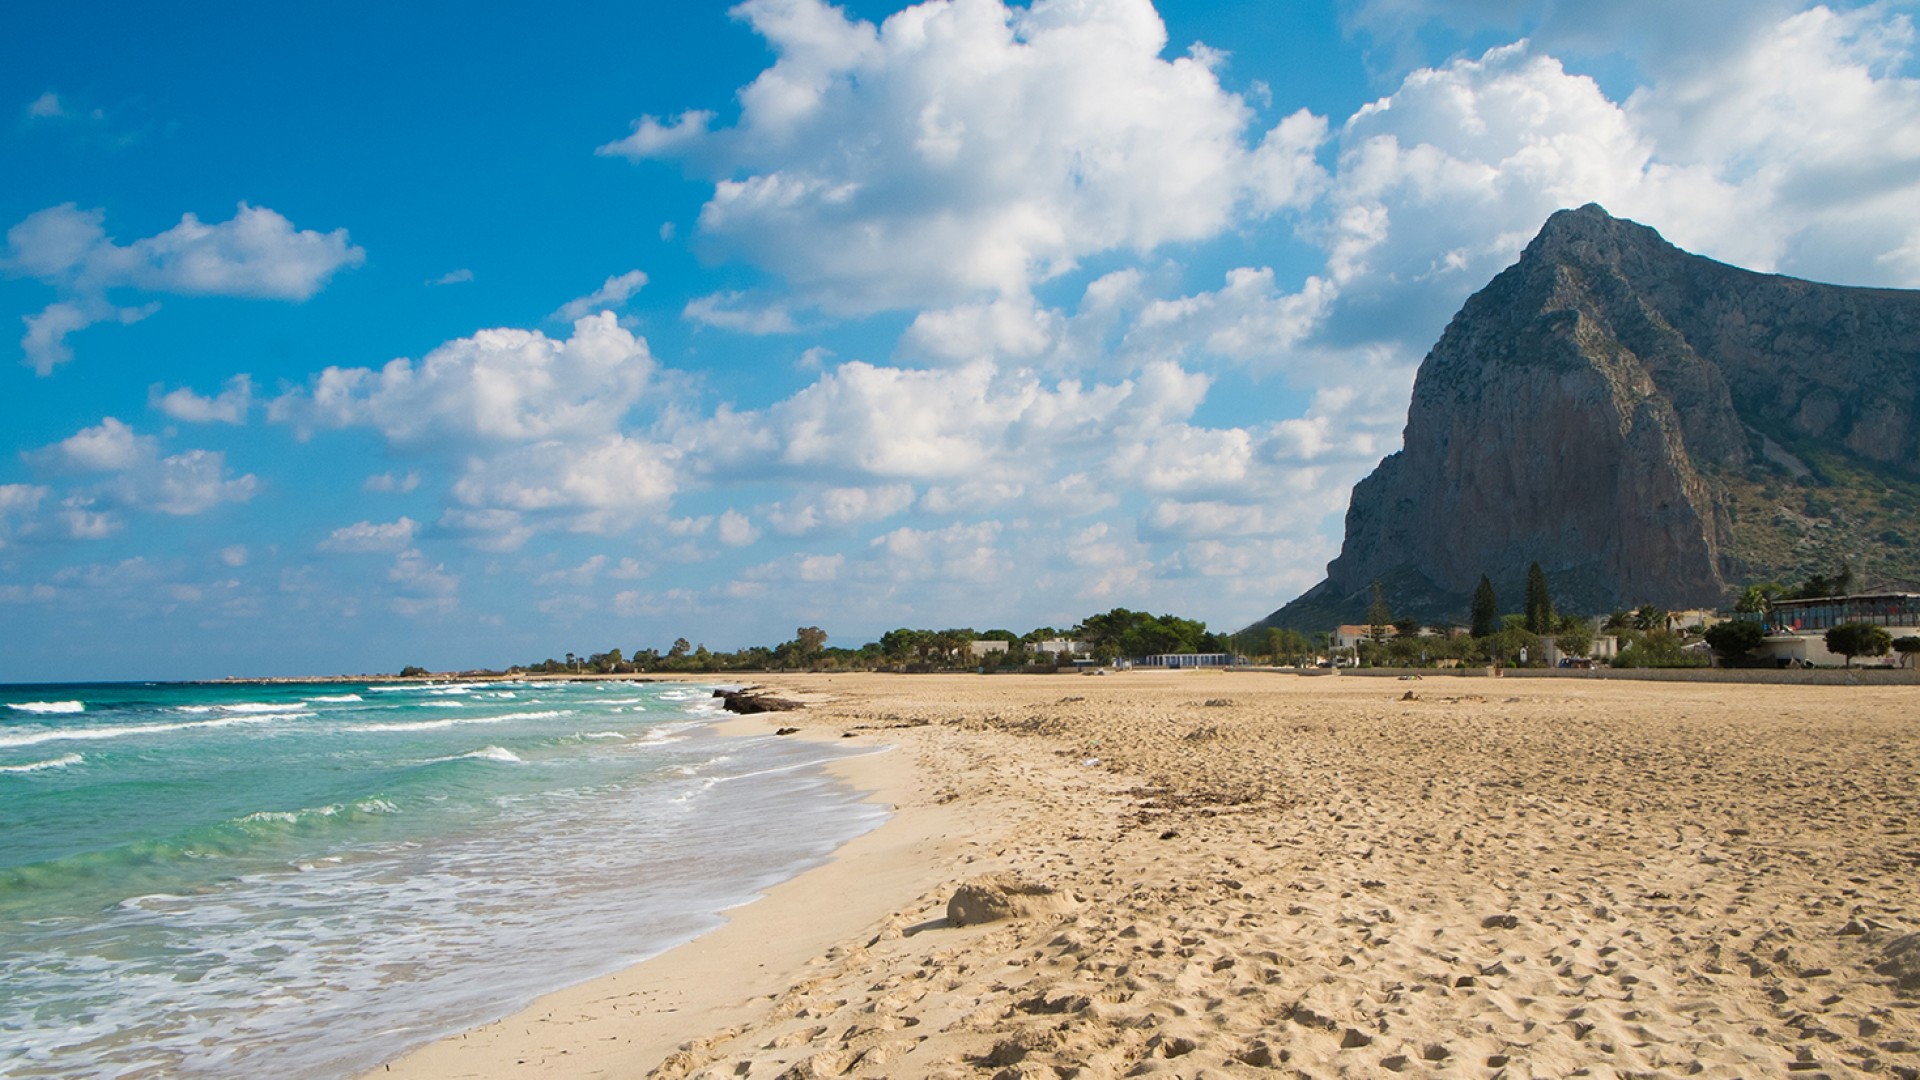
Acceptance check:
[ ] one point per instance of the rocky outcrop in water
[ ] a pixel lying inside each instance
(1650, 426)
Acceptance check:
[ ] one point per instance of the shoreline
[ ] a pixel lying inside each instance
(631, 1020)
(1337, 877)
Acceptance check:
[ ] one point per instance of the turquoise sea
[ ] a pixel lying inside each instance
(301, 880)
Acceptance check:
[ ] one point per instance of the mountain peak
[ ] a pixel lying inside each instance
(1649, 426)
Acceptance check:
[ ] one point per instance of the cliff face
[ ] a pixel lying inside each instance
(1647, 425)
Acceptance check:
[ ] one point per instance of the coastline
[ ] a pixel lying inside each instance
(1341, 877)
(631, 1020)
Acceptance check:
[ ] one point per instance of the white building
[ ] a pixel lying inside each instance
(1797, 629)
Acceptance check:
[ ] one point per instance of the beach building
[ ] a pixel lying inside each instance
(1346, 637)
(1188, 660)
(1058, 647)
(1796, 629)
(986, 647)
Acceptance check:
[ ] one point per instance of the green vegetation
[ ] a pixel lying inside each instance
(1658, 649)
(1109, 636)
(1858, 639)
(1735, 640)
(1906, 647)
(1788, 527)
(1539, 603)
(1486, 609)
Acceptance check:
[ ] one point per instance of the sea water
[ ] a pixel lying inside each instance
(304, 879)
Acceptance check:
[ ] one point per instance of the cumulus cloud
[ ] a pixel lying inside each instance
(839, 507)
(736, 529)
(497, 386)
(229, 407)
(614, 293)
(900, 424)
(1794, 151)
(599, 485)
(452, 277)
(965, 147)
(367, 536)
(184, 484)
(109, 446)
(257, 254)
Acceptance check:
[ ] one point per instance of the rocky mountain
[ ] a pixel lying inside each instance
(1650, 426)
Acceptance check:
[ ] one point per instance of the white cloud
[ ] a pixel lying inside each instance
(614, 293)
(389, 483)
(46, 107)
(735, 530)
(183, 484)
(615, 475)
(424, 587)
(967, 147)
(256, 254)
(839, 507)
(487, 529)
(579, 576)
(1250, 318)
(960, 552)
(821, 567)
(188, 483)
(499, 386)
(45, 342)
(81, 522)
(109, 446)
(234, 555)
(739, 313)
(18, 503)
(901, 424)
(367, 536)
(452, 277)
(229, 407)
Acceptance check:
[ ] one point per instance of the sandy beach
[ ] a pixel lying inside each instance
(1263, 874)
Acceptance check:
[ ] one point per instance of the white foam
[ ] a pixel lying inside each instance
(244, 708)
(49, 707)
(485, 753)
(34, 738)
(336, 698)
(60, 762)
(602, 735)
(450, 721)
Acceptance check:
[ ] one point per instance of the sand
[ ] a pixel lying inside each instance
(1267, 874)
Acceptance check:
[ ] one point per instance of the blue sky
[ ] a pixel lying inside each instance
(352, 336)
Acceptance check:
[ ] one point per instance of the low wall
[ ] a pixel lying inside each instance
(1871, 676)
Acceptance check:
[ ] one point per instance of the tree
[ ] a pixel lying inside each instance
(808, 641)
(1858, 639)
(1906, 647)
(1575, 638)
(1648, 617)
(1539, 602)
(680, 647)
(1486, 609)
(1757, 599)
(1733, 640)
(1379, 616)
